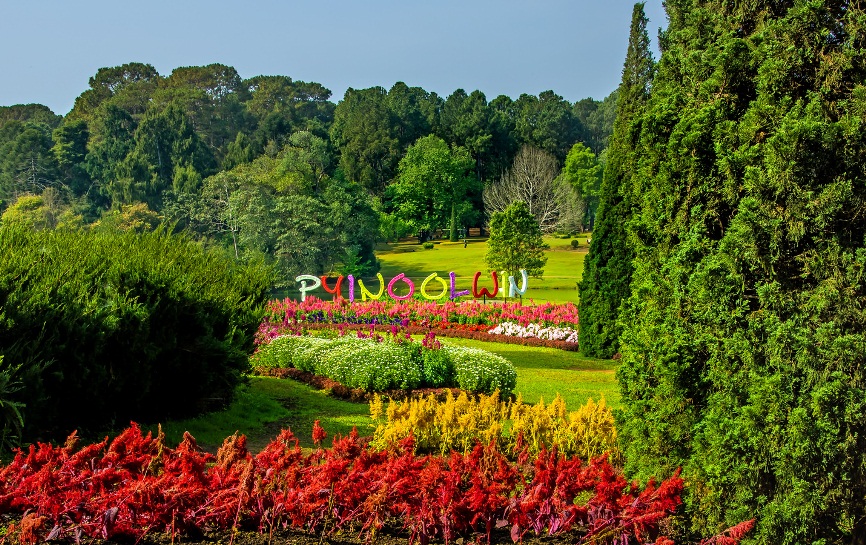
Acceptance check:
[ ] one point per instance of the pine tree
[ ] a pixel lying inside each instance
(607, 270)
(744, 346)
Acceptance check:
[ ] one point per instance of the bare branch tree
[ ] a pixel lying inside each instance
(530, 179)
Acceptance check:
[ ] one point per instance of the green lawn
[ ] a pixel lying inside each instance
(561, 274)
(544, 372)
(559, 284)
(266, 406)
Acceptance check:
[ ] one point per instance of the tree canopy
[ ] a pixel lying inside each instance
(607, 271)
(516, 242)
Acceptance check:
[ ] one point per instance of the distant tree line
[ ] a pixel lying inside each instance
(269, 166)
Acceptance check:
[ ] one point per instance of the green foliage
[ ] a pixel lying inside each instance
(743, 347)
(377, 366)
(137, 218)
(608, 268)
(108, 327)
(583, 172)
(430, 191)
(10, 410)
(516, 242)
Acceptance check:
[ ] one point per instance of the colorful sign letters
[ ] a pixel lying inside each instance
(448, 288)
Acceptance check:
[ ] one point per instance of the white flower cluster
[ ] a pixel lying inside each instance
(377, 366)
(478, 370)
(535, 331)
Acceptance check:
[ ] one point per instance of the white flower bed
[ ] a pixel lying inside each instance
(535, 331)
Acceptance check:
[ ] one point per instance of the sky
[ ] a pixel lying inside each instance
(574, 47)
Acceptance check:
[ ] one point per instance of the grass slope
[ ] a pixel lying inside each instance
(544, 372)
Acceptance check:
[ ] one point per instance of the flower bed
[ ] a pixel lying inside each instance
(379, 364)
(136, 484)
(468, 319)
(535, 331)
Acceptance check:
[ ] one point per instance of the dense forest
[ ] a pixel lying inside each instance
(269, 166)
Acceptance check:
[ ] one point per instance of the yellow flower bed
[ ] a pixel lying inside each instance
(458, 423)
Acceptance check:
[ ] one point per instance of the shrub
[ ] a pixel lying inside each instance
(575, 244)
(108, 327)
(428, 245)
(477, 370)
(399, 363)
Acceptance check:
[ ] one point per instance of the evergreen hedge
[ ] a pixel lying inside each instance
(744, 346)
(102, 328)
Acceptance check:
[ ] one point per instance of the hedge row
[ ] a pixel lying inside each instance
(97, 328)
(376, 366)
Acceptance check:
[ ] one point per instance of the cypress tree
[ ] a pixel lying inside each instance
(744, 346)
(607, 270)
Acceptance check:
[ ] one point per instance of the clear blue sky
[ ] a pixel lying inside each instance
(574, 47)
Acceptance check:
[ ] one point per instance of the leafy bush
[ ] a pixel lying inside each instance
(575, 244)
(477, 370)
(109, 327)
(428, 245)
(377, 365)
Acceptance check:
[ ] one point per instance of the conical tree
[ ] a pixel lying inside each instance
(607, 269)
(744, 347)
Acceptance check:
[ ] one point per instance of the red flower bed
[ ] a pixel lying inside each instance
(136, 484)
(455, 319)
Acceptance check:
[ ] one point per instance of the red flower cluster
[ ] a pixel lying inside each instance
(136, 484)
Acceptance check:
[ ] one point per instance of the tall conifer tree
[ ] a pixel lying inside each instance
(744, 349)
(607, 270)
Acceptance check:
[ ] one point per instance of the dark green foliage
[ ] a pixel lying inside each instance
(103, 328)
(26, 162)
(608, 267)
(597, 118)
(431, 189)
(744, 349)
(516, 242)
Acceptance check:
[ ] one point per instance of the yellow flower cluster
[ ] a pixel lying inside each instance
(458, 423)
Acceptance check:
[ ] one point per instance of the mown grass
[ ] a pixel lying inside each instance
(561, 274)
(544, 372)
(559, 284)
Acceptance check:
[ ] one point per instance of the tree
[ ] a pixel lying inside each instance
(516, 242)
(743, 346)
(584, 172)
(26, 162)
(531, 179)
(607, 269)
(547, 122)
(431, 187)
(597, 119)
(365, 136)
(128, 87)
